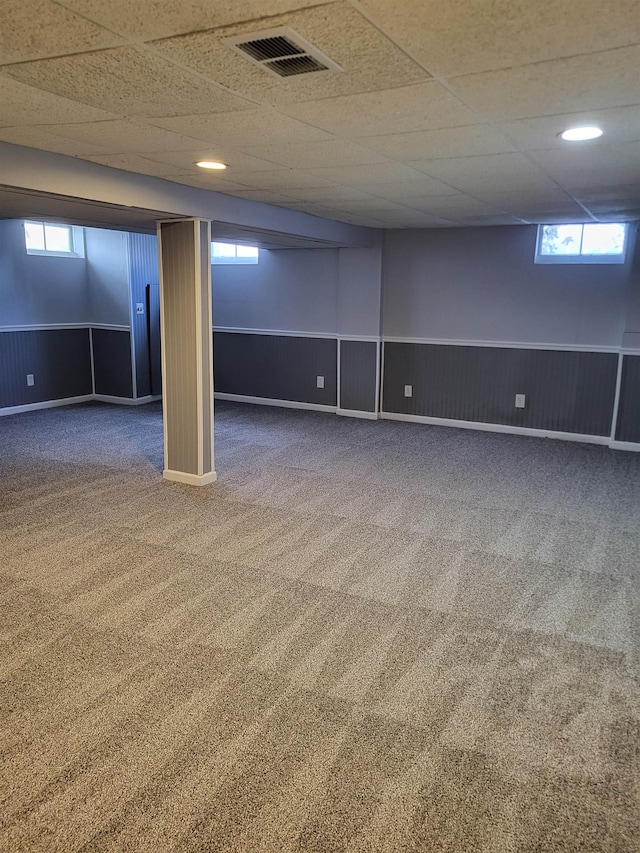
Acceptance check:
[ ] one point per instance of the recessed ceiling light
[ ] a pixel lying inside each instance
(210, 164)
(580, 134)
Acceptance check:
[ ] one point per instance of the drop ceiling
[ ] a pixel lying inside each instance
(443, 113)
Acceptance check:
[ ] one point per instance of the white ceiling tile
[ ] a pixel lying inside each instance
(552, 217)
(186, 158)
(421, 186)
(330, 196)
(578, 84)
(621, 124)
(25, 105)
(540, 214)
(592, 166)
(364, 221)
(369, 60)
(372, 206)
(625, 215)
(263, 126)
(509, 172)
(448, 142)
(148, 19)
(263, 195)
(382, 213)
(451, 38)
(126, 81)
(423, 106)
(629, 194)
(31, 29)
(135, 163)
(121, 136)
(413, 219)
(331, 152)
(452, 143)
(544, 197)
(33, 137)
(309, 207)
(278, 180)
(450, 206)
(356, 175)
(209, 181)
(486, 219)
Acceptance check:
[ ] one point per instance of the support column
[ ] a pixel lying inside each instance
(184, 248)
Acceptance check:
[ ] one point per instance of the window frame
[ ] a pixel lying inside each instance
(580, 258)
(234, 260)
(76, 239)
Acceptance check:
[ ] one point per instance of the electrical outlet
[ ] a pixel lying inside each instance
(320, 381)
(139, 307)
(408, 390)
(520, 401)
(30, 379)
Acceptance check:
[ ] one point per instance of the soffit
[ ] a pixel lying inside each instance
(444, 113)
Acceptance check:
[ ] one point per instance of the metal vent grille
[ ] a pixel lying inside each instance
(270, 48)
(282, 52)
(296, 65)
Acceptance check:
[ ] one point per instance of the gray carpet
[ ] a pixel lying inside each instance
(364, 637)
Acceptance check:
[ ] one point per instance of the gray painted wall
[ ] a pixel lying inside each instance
(358, 360)
(275, 367)
(108, 276)
(39, 290)
(481, 284)
(58, 358)
(359, 292)
(330, 291)
(628, 427)
(112, 362)
(288, 290)
(565, 391)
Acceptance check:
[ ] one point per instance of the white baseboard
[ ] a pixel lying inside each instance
(141, 401)
(356, 413)
(625, 445)
(190, 479)
(266, 401)
(124, 401)
(45, 404)
(503, 428)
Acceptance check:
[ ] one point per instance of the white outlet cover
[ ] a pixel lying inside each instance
(408, 390)
(320, 381)
(30, 379)
(520, 401)
(139, 307)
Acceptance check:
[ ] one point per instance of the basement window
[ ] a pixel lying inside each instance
(53, 239)
(231, 253)
(582, 243)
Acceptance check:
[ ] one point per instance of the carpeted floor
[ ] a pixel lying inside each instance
(364, 637)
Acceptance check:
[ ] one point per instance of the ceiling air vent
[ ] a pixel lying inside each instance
(283, 52)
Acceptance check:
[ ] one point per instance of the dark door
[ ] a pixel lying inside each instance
(153, 319)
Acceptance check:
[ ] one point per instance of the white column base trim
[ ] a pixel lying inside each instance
(190, 479)
(124, 401)
(45, 404)
(357, 413)
(504, 428)
(633, 446)
(266, 401)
